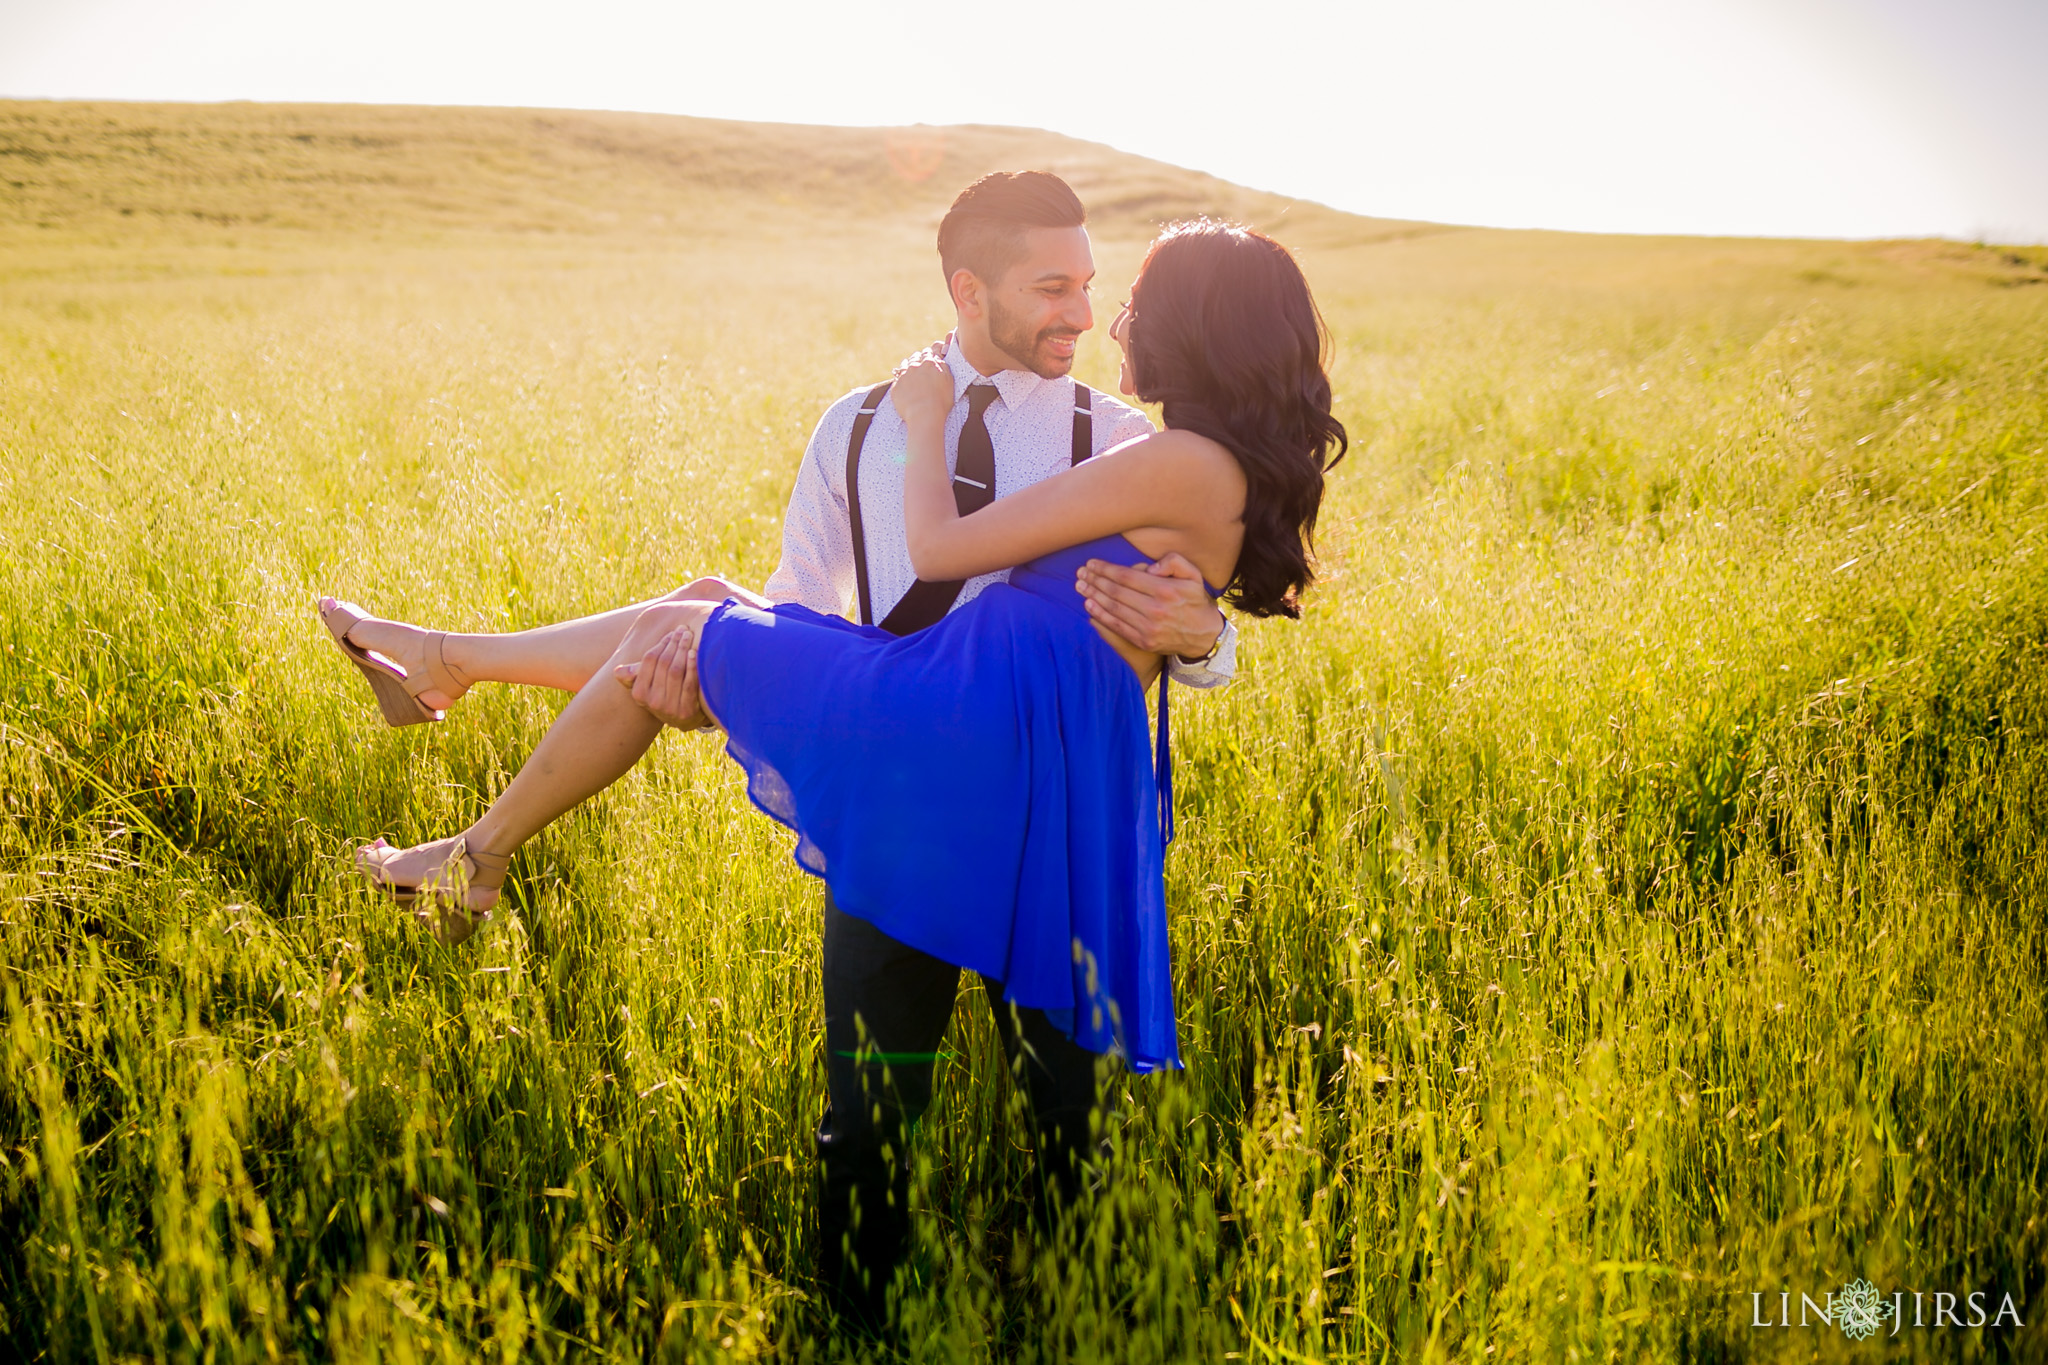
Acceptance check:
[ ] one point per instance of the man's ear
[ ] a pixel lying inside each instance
(969, 295)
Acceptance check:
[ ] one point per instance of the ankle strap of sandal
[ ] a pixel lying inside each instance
(445, 676)
(495, 863)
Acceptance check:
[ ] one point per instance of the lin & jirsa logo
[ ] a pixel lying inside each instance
(1859, 1310)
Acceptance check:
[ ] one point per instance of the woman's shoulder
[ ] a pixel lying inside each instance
(1195, 473)
(1175, 444)
(1189, 454)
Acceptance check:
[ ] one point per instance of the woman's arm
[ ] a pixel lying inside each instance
(1172, 480)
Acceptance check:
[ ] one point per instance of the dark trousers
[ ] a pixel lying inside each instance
(886, 1010)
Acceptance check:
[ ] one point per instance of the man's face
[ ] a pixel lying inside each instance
(1039, 308)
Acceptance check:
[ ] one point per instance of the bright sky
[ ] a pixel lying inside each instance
(1836, 118)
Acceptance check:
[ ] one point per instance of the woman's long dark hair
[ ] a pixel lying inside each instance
(1225, 337)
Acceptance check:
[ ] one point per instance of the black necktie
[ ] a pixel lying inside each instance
(974, 469)
(974, 487)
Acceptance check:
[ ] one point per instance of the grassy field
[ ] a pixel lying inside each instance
(1619, 897)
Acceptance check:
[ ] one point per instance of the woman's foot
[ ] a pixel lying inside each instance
(450, 887)
(421, 655)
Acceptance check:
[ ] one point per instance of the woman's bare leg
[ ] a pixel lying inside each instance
(593, 743)
(564, 656)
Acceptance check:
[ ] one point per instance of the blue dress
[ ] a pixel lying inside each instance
(983, 789)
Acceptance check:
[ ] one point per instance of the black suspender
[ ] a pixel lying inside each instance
(1084, 425)
(862, 420)
(1083, 447)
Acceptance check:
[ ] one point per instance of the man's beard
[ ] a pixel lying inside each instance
(1015, 339)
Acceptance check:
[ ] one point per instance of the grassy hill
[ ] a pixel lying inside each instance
(358, 168)
(1616, 899)
(141, 180)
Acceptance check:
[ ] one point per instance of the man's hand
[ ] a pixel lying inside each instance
(665, 682)
(1162, 608)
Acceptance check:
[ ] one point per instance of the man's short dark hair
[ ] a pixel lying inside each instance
(984, 230)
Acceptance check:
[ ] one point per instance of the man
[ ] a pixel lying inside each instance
(1014, 250)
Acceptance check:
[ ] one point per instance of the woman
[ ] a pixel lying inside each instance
(1016, 706)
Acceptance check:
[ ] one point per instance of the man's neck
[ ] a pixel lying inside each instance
(984, 356)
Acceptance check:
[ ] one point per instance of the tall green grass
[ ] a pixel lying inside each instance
(1620, 895)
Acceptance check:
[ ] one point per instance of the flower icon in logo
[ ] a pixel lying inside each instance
(1859, 1310)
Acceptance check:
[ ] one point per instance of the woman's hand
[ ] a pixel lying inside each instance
(923, 392)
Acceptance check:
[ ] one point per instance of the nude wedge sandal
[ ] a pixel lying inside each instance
(445, 909)
(397, 693)
(442, 903)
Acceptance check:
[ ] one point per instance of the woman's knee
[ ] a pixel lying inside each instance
(656, 621)
(709, 588)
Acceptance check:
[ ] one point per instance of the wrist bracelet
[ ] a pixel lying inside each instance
(1218, 644)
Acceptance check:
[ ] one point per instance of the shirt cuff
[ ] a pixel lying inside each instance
(1215, 671)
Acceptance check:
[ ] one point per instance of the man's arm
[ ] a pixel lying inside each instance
(1164, 608)
(816, 568)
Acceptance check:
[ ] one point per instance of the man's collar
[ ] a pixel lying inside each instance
(1013, 385)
